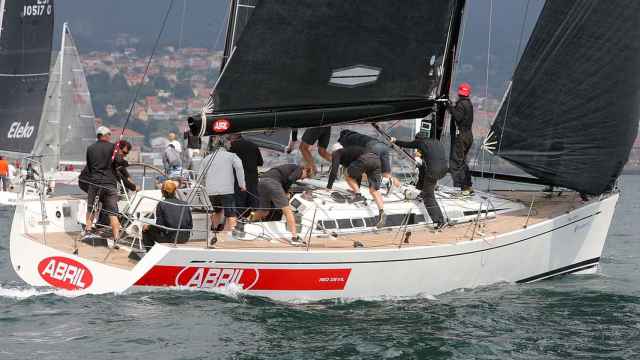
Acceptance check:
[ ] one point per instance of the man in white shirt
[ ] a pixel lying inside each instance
(221, 169)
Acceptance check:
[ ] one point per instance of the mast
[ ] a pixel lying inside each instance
(59, 102)
(447, 71)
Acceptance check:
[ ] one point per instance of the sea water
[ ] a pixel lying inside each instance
(573, 317)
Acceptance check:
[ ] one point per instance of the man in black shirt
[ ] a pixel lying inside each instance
(350, 138)
(251, 158)
(432, 166)
(102, 180)
(170, 213)
(358, 160)
(462, 116)
(321, 135)
(273, 187)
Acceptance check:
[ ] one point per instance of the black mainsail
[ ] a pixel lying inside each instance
(309, 63)
(572, 113)
(26, 30)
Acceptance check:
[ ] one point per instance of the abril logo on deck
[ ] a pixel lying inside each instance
(221, 125)
(65, 273)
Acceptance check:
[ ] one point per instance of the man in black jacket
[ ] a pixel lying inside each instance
(249, 154)
(121, 164)
(273, 188)
(432, 166)
(102, 181)
(171, 213)
(462, 116)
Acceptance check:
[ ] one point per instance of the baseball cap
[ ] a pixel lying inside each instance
(103, 130)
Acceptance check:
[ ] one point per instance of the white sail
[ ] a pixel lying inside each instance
(67, 126)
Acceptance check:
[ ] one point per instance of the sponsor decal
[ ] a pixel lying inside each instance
(221, 125)
(354, 76)
(246, 278)
(65, 273)
(18, 130)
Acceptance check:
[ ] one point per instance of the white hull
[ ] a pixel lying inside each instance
(569, 243)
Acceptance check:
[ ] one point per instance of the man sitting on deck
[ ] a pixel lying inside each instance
(171, 216)
(358, 160)
(272, 190)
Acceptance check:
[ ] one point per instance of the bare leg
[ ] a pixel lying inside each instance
(88, 221)
(352, 184)
(377, 198)
(230, 223)
(305, 150)
(259, 215)
(216, 219)
(115, 226)
(324, 153)
(291, 221)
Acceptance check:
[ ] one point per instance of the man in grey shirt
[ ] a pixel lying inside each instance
(219, 167)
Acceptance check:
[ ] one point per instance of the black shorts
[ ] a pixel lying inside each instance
(106, 195)
(369, 164)
(320, 134)
(225, 202)
(271, 195)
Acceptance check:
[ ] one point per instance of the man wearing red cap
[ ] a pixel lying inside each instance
(462, 116)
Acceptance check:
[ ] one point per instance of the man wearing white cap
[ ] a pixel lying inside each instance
(102, 181)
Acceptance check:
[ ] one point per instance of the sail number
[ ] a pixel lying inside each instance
(41, 7)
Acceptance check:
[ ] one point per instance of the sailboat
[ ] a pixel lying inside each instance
(568, 121)
(67, 121)
(26, 29)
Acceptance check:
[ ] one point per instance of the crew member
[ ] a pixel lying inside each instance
(102, 181)
(351, 138)
(462, 116)
(171, 213)
(121, 165)
(172, 162)
(432, 166)
(4, 173)
(221, 169)
(174, 141)
(249, 154)
(320, 135)
(359, 160)
(194, 143)
(272, 189)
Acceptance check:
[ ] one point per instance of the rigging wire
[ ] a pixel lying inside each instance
(144, 75)
(515, 64)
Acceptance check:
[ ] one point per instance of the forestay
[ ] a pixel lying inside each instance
(572, 114)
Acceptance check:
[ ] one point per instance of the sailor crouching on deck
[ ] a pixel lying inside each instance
(432, 166)
(358, 160)
(219, 168)
(272, 191)
(170, 213)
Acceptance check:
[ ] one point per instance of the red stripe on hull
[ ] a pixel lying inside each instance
(246, 278)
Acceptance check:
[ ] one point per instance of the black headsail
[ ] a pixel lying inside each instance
(303, 63)
(572, 113)
(26, 29)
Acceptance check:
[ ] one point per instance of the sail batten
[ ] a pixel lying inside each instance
(571, 115)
